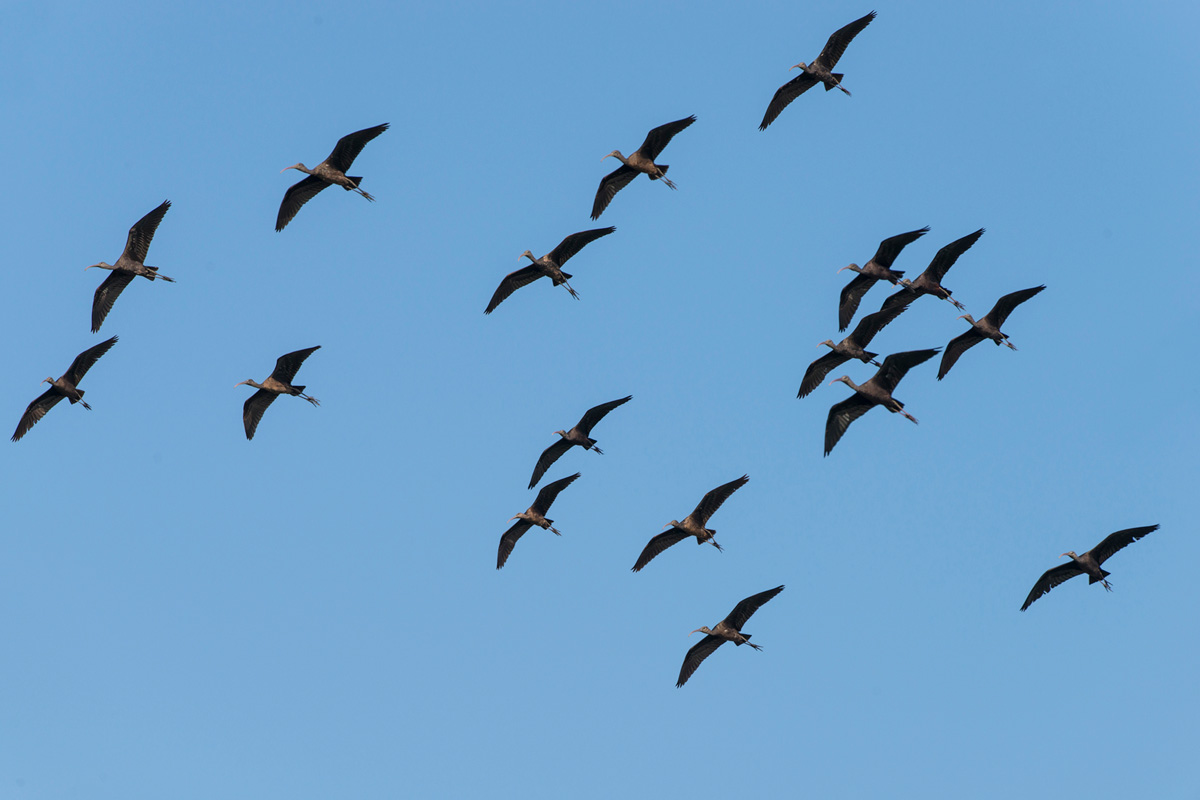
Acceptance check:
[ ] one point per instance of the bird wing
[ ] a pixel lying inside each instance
(610, 184)
(296, 196)
(945, 258)
(659, 137)
(840, 417)
(574, 243)
(35, 411)
(659, 543)
(957, 346)
(712, 501)
(597, 413)
(350, 145)
(897, 365)
(548, 457)
(745, 609)
(1005, 305)
(550, 491)
(253, 410)
(817, 371)
(852, 294)
(901, 298)
(890, 247)
(84, 361)
(107, 294)
(1115, 541)
(872, 324)
(786, 94)
(1051, 578)
(511, 282)
(138, 243)
(288, 364)
(509, 540)
(700, 651)
(841, 37)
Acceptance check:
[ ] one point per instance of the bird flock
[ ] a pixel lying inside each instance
(878, 390)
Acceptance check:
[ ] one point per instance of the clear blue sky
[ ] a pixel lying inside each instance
(317, 613)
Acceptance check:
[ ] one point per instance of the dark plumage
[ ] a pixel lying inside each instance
(727, 630)
(986, 328)
(853, 346)
(875, 392)
(692, 525)
(819, 71)
(1088, 563)
(330, 171)
(930, 281)
(549, 265)
(878, 268)
(641, 160)
(279, 382)
(534, 515)
(129, 265)
(579, 435)
(66, 386)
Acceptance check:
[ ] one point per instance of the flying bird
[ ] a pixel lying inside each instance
(641, 160)
(549, 265)
(66, 386)
(279, 382)
(692, 525)
(727, 630)
(878, 268)
(128, 266)
(853, 346)
(986, 328)
(1088, 563)
(330, 171)
(534, 515)
(819, 71)
(579, 435)
(875, 392)
(930, 281)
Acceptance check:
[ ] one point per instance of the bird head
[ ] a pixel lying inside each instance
(827, 341)
(844, 379)
(247, 382)
(614, 154)
(527, 254)
(300, 166)
(967, 317)
(562, 433)
(49, 381)
(102, 265)
(672, 524)
(701, 629)
(801, 65)
(1070, 553)
(854, 267)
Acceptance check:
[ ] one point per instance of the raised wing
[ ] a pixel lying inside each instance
(142, 232)
(897, 365)
(657, 544)
(745, 609)
(253, 410)
(1115, 541)
(890, 247)
(287, 365)
(713, 500)
(597, 413)
(1051, 578)
(295, 197)
(550, 491)
(35, 411)
(817, 371)
(945, 258)
(548, 457)
(107, 294)
(840, 417)
(786, 94)
(509, 540)
(872, 324)
(659, 137)
(841, 37)
(350, 145)
(957, 346)
(610, 184)
(574, 243)
(1005, 305)
(84, 361)
(511, 282)
(700, 651)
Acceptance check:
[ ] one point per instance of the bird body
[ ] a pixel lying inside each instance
(579, 435)
(877, 269)
(819, 71)
(875, 392)
(986, 328)
(549, 265)
(1087, 564)
(727, 630)
(639, 161)
(853, 346)
(534, 515)
(930, 281)
(330, 172)
(129, 265)
(65, 386)
(692, 525)
(277, 383)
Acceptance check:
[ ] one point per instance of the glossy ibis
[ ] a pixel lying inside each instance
(128, 266)
(875, 392)
(579, 435)
(727, 630)
(1088, 563)
(534, 515)
(279, 382)
(692, 525)
(549, 265)
(641, 160)
(930, 281)
(329, 172)
(850, 347)
(67, 386)
(878, 268)
(986, 328)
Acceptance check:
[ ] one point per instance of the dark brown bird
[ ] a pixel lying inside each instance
(329, 172)
(692, 525)
(850, 347)
(930, 281)
(128, 266)
(579, 435)
(875, 392)
(878, 268)
(986, 328)
(279, 382)
(727, 630)
(1088, 563)
(641, 160)
(534, 515)
(67, 386)
(549, 265)
(819, 71)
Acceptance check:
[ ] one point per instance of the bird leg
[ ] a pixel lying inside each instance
(312, 400)
(85, 405)
(909, 416)
(713, 542)
(663, 177)
(1008, 344)
(574, 293)
(957, 304)
(1107, 586)
(876, 363)
(364, 194)
(554, 530)
(755, 646)
(597, 449)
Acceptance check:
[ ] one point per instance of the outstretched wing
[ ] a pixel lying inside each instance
(700, 651)
(712, 501)
(253, 410)
(574, 243)
(610, 184)
(550, 491)
(786, 94)
(957, 346)
(1005, 305)
(596, 413)
(1115, 541)
(509, 540)
(841, 37)
(840, 417)
(142, 232)
(295, 197)
(511, 282)
(350, 145)
(659, 137)
(1051, 578)
(107, 294)
(287, 365)
(872, 324)
(852, 295)
(35, 411)
(84, 361)
(890, 247)
(897, 365)
(548, 457)
(745, 609)
(659, 543)
(945, 258)
(817, 371)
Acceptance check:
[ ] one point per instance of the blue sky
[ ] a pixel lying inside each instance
(317, 613)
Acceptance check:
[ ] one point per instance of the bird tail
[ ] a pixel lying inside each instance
(78, 399)
(1103, 574)
(566, 276)
(662, 170)
(592, 446)
(357, 181)
(895, 275)
(837, 76)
